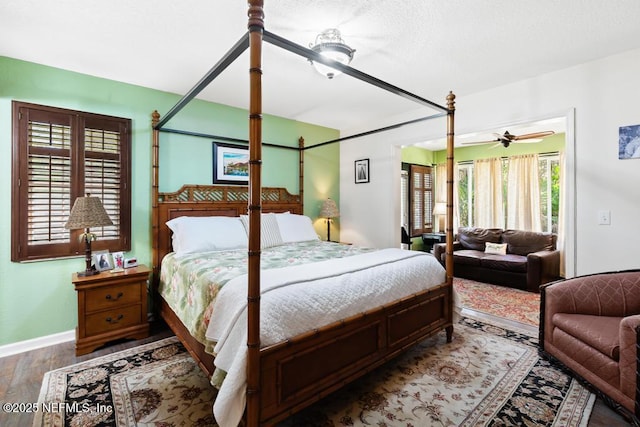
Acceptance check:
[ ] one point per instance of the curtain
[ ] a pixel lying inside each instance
(440, 194)
(488, 209)
(561, 214)
(441, 191)
(523, 193)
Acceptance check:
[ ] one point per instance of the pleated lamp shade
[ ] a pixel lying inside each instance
(87, 212)
(329, 209)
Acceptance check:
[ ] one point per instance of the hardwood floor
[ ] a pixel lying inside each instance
(21, 377)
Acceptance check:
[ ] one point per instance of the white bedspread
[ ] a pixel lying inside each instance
(299, 298)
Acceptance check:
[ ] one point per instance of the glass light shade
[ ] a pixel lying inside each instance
(329, 44)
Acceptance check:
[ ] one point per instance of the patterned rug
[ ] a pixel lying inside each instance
(507, 303)
(488, 375)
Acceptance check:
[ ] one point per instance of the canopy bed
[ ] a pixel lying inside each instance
(282, 373)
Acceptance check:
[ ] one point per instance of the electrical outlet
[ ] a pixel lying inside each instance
(604, 217)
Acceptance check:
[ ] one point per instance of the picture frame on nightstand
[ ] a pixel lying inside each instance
(102, 260)
(118, 261)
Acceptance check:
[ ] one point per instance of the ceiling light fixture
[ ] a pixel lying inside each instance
(329, 43)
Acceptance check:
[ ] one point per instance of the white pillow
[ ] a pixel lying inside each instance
(269, 231)
(495, 248)
(207, 233)
(296, 228)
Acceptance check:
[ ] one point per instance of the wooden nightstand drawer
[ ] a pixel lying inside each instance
(112, 319)
(112, 296)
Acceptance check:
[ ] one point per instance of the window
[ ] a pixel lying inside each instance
(550, 191)
(59, 155)
(549, 170)
(417, 188)
(465, 194)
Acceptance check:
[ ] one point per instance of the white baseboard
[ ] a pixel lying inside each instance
(35, 343)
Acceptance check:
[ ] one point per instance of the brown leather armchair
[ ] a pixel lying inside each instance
(591, 324)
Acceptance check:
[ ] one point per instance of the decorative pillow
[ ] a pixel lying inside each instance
(495, 248)
(295, 228)
(207, 233)
(269, 231)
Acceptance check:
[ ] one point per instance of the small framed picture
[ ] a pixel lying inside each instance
(362, 171)
(118, 260)
(230, 164)
(102, 261)
(629, 142)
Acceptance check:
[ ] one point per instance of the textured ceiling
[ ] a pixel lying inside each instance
(427, 47)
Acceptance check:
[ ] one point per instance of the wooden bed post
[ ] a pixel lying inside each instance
(451, 109)
(256, 27)
(155, 163)
(301, 171)
(449, 226)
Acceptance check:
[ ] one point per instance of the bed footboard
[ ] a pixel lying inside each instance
(298, 372)
(304, 369)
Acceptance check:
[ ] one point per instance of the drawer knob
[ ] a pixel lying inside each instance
(110, 298)
(112, 321)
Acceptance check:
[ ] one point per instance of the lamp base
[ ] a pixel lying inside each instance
(86, 273)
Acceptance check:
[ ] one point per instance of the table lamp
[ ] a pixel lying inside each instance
(87, 212)
(329, 210)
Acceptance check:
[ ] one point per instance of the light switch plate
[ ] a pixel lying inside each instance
(604, 217)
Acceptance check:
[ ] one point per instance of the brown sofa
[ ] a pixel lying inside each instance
(531, 258)
(592, 324)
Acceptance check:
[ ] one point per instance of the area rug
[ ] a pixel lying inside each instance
(507, 303)
(488, 375)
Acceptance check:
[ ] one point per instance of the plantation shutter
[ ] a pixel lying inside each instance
(60, 155)
(49, 184)
(102, 172)
(421, 202)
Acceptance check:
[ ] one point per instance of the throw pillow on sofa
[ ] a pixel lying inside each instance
(495, 248)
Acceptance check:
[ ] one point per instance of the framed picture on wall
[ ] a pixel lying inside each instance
(629, 142)
(230, 164)
(362, 171)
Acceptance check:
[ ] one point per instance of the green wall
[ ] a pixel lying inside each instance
(37, 298)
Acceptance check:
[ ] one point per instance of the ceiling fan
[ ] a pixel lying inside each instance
(507, 138)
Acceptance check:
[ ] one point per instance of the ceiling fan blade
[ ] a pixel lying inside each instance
(533, 135)
(479, 142)
(526, 141)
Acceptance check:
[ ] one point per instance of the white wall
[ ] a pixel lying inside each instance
(604, 94)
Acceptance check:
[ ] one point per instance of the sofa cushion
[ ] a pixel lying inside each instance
(509, 262)
(467, 257)
(521, 242)
(475, 238)
(599, 332)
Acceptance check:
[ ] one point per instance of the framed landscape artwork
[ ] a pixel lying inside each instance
(230, 164)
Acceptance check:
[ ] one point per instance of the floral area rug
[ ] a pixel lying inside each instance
(507, 303)
(156, 384)
(488, 375)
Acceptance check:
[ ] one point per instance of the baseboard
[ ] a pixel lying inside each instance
(35, 343)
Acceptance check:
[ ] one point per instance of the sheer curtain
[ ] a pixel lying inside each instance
(561, 214)
(441, 190)
(523, 193)
(488, 206)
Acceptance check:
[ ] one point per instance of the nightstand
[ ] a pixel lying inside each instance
(111, 306)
